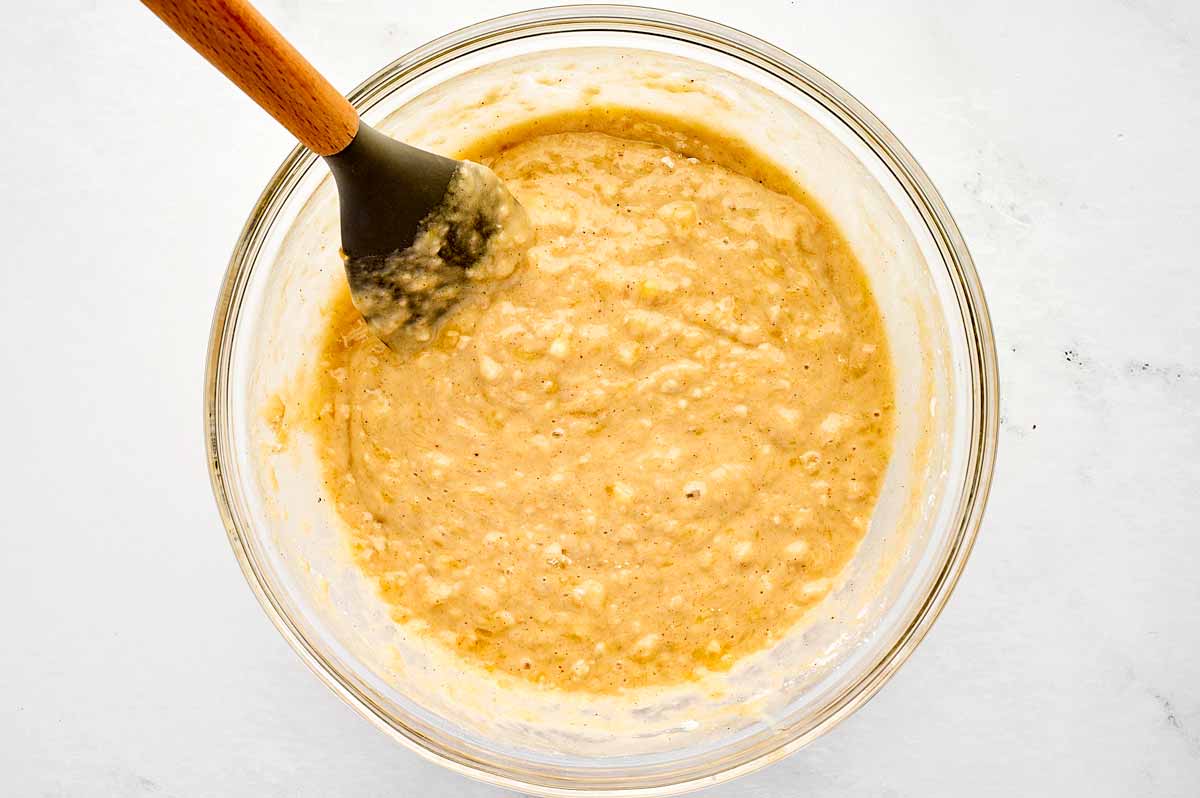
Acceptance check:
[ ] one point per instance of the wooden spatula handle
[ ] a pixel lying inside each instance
(239, 41)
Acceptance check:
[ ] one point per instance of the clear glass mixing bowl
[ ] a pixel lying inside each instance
(268, 490)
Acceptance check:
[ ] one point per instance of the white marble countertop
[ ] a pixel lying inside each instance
(1063, 136)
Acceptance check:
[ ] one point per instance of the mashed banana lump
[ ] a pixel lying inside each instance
(646, 453)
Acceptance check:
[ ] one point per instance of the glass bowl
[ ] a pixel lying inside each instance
(647, 742)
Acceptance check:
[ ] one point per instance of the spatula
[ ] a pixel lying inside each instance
(416, 227)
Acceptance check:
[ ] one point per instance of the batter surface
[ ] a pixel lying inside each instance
(642, 457)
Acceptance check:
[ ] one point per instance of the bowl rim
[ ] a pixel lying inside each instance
(981, 353)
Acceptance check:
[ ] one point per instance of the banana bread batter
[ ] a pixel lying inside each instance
(647, 453)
